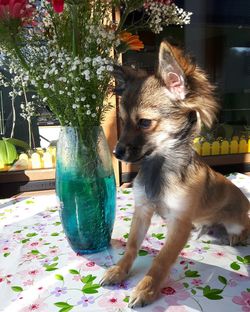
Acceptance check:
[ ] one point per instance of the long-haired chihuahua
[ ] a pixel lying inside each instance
(161, 114)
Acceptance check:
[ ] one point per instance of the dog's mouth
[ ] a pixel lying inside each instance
(139, 159)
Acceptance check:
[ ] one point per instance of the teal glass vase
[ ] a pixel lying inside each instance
(86, 188)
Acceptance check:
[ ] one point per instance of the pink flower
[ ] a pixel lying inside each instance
(218, 254)
(244, 301)
(36, 306)
(239, 277)
(58, 5)
(28, 282)
(58, 291)
(112, 301)
(174, 292)
(197, 282)
(85, 301)
(90, 266)
(15, 9)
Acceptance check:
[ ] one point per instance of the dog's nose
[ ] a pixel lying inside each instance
(119, 151)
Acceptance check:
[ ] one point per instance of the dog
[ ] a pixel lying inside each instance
(160, 115)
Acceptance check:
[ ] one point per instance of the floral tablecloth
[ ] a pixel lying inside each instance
(39, 271)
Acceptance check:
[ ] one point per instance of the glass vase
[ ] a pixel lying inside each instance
(85, 186)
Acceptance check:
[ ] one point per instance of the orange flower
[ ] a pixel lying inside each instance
(132, 41)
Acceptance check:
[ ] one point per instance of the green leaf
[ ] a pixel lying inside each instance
(193, 291)
(71, 271)
(31, 234)
(248, 289)
(56, 258)
(187, 246)
(90, 288)
(222, 279)
(34, 252)
(186, 285)
(62, 304)
(206, 289)
(190, 273)
(53, 210)
(19, 143)
(17, 288)
(212, 293)
(213, 296)
(57, 223)
(59, 277)
(18, 232)
(246, 259)
(142, 252)
(126, 191)
(123, 209)
(125, 235)
(88, 279)
(158, 236)
(126, 299)
(54, 234)
(240, 259)
(29, 201)
(66, 309)
(126, 219)
(51, 267)
(25, 240)
(235, 266)
(6, 254)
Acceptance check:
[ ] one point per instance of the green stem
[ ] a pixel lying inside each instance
(74, 30)
(198, 304)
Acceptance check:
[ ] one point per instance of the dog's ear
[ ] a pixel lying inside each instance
(173, 68)
(124, 75)
(120, 79)
(170, 72)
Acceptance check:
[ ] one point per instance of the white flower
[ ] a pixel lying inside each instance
(110, 68)
(93, 96)
(46, 86)
(87, 60)
(88, 112)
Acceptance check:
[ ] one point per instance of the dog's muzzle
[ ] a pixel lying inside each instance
(119, 151)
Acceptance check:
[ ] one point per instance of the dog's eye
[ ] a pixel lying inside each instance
(144, 123)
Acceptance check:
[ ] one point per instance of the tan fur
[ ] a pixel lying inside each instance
(190, 193)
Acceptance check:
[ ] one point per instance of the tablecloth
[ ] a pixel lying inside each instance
(39, 271)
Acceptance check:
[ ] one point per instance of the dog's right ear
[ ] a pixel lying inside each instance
(124, 75)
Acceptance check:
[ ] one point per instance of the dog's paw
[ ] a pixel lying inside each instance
(238, 239)
(114, 275)
(144, 293)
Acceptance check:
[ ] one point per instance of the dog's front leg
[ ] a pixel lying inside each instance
(140, 224)
(148, 288)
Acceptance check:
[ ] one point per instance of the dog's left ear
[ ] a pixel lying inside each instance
(124, 75)
(172, 69)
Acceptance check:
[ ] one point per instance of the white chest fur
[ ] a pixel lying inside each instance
(172, 202)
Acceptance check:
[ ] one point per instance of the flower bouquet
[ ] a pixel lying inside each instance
(64, 52)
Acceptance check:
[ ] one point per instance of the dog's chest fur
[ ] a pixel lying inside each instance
(171, 201)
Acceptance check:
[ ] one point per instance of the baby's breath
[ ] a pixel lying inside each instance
(68, 58)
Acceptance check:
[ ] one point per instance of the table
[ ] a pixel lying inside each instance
(39, 271)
